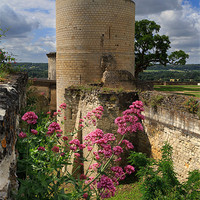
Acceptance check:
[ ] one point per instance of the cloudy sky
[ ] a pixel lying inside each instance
(31, 26)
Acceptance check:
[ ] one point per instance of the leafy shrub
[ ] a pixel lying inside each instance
(159, 181)
(192, 105)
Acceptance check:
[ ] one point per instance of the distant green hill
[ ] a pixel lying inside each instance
(35, 70)
(189, 72)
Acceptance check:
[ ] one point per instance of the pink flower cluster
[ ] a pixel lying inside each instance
(35, 132)
(91, 117)
(94, 166)
(52, 128)
(107, 187)
(30, 117)
(41, 149)
(75, 144)
(128, 145)
(119, 173)
(63, 106)
(22, 135)
(130, 121)
(55, 149)
(129, 169)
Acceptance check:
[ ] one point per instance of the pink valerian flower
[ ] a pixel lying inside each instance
(83, 177)
(63, 106)
(62, 154)
(128, 144)
(94, 166)
(81, 120)
(107, 150)
(96, 155)
(105, 139)
(117, 160)
(75, 144)
(117, 150)
(55, 149)
(22, 135)
(35, 132)
(82, 146)
(53, 127)
(55, 114)
(94, 135)
(130, 121)
(90, 179)
(129, 169)
(85, 195)
(94, 115)
(81, 125)
(58, 135)
(119, 173)
(77, 154)
(73, 148)
(107, 185)
(89, 148)
(65, 138)
(41, 149)
(30, 117)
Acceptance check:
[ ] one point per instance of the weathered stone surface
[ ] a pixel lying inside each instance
(11, 101)
(170, 122)
(80, 102)
(100, 36)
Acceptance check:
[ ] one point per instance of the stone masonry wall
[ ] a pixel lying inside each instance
(169, 121)
(165, 121)
(12, 99)
(80, 102)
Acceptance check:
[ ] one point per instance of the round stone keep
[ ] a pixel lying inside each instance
(91, 36)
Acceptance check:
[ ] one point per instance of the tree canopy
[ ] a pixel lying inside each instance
(151, 48)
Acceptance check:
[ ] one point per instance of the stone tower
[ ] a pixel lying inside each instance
(92, 36)
(51, 65)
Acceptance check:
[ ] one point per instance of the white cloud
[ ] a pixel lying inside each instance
(182, 25)
(29, 21)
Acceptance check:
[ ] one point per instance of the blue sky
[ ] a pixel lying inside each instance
(31, 26)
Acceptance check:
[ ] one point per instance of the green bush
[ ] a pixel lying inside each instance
(159, 181)
(192, 105)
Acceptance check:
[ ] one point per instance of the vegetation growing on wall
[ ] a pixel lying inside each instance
(159, 181)
(5, 60)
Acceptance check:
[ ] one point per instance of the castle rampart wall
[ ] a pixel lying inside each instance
(165, 121)
(12, 100)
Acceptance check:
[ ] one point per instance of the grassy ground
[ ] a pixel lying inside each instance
(189, 90)
(127, 191)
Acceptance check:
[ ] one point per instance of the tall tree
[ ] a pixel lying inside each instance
(151, 48)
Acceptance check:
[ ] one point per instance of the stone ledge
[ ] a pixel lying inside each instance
(12, 99)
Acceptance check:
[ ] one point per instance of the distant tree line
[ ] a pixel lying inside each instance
(190, 72)
(35, 70)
